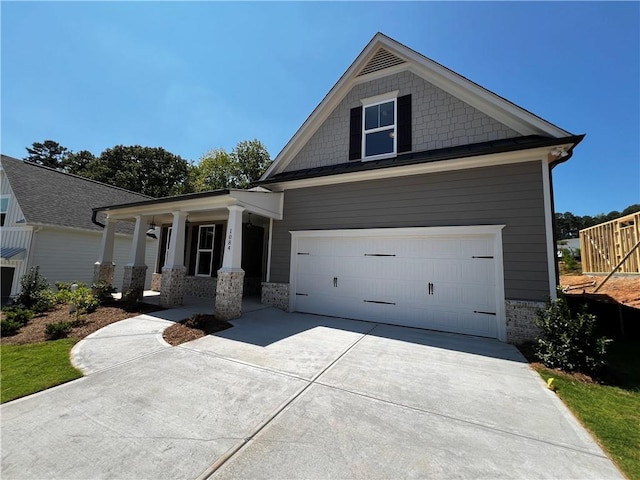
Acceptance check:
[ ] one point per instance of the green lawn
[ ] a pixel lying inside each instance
(610, 412)
(26, 369)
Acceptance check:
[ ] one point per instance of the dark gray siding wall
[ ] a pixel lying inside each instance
(439, 120)
(511, 195)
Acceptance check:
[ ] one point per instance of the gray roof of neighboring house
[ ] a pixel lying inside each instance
(50, 197)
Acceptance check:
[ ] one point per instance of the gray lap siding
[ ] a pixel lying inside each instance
(508, 194)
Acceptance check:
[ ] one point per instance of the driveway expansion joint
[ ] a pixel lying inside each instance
(237, 448)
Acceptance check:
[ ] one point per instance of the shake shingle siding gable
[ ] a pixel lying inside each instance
(438, 120)
(50, 197)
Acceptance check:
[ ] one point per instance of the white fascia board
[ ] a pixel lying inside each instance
(464, 163)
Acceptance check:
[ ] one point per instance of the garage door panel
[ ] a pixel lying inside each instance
(387, 279)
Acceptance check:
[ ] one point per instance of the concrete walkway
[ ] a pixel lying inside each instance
(296, 396)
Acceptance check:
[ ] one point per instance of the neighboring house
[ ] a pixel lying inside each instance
(46, 222)
(409, 196)
(571, 244)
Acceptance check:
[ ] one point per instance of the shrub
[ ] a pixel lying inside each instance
(569, 342)
(32, 285)
(17, 315)
(56, 330)
(102, 291)
(45, 301)
(9, 328)
(81, 298)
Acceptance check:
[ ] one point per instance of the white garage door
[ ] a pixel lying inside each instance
(427, 278)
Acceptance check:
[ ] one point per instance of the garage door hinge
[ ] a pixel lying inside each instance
(486, 313)
(482, 256)
(376, 301)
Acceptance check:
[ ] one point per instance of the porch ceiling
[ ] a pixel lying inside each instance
(204, 205)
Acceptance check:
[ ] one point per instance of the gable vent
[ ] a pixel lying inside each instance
(381, 60)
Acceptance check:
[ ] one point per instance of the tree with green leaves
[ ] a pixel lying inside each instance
(48, 153)
(218, 169)
(148, 170)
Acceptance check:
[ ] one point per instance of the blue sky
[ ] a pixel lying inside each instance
(194, 76)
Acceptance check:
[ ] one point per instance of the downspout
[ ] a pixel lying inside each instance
(552, 165)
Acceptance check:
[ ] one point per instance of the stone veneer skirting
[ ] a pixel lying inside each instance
(276, 295)
(133, 282)
(156, 281)
(520, 316)
(103, 272)
(229, 294)
(172, 286)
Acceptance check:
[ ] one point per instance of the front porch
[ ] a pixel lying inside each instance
(214, 246)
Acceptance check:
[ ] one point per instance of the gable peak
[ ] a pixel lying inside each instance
(382, 59)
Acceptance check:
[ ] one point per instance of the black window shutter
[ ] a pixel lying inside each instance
(404, 124)
(355, 134)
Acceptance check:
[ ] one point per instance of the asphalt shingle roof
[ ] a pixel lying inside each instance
(50, 197)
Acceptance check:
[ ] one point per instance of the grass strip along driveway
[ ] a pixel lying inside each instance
(27, 369)
(610, 412)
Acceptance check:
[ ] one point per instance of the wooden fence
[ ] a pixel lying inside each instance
(603, 246)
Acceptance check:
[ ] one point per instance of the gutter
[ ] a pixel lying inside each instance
(94, 220)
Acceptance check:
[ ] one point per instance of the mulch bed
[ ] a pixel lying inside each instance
(33, 332)
(193, 328)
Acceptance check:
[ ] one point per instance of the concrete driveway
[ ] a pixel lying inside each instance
(296, 396)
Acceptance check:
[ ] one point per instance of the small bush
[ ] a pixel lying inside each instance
(45, 301)
(81, 298)
(56, 330)
(32, 285)
(102, 291)
(569, 342)
(8, 328)
(17, 315)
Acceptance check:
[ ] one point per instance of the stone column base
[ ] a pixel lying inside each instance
(520, 316)
(276, 295)
(103, 272)
(156, 281)
(133, 282)
(172, 286)
(229, 294)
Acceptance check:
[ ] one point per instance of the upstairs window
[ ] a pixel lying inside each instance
(381, 127)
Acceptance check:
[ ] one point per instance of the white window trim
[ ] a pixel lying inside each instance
(198, 250)
(371, 102)
(6, 212)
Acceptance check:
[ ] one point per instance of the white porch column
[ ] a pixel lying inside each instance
(232, 260)
(103, 268)
(174, 270)
(136, 270)
(231, 276)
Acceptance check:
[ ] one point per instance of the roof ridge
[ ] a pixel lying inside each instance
(26, 162)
